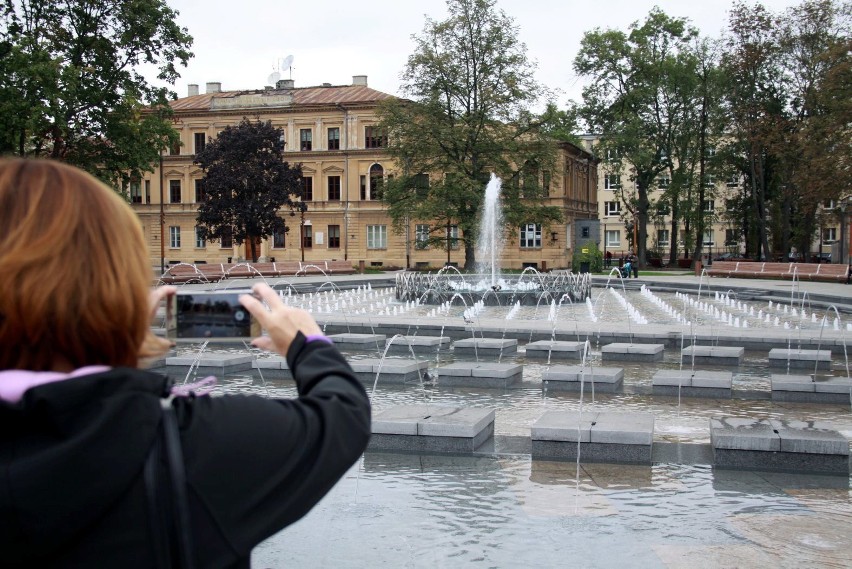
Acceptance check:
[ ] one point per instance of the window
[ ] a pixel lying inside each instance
(531, 236)
(663, 181)
(733, 181)
(662, 208)
(421, 236)
(584, 232)
(305, 137)
(334, 237)
(545, 181)
(829, 235)
(334, 188)
(227, 241)
(730, 205)
(200, 192)
(454, 237)
(613, 154)
(174, 191)
(709, 206)
(421, 185)
(710, 152)
(200, 242)
(731, 237)
(376, 181)
(612, 208)
(828, 204)
(136, 192)
(278, 239)
(307, 236)
(377, 237)
(363, 181)
(613, 238)
(147, 191)
(708, 237)
(174, 237)
(612, 182)
(374, 137)
(307, 189)
(174, 148)
(663, 237)
(200, 141)
(709, 180)
(334, 139)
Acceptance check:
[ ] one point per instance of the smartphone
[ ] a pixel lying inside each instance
(198, 316)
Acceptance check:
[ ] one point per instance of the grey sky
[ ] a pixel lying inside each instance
(239, 43)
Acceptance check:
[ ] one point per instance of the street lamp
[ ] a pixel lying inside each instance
(843, 239)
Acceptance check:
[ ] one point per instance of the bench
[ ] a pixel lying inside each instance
(340, 267)
(287, 268)
(179, 274)
(313, 268)
(768, 270)
(212, 272)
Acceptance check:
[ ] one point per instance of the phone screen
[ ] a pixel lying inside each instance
(203, 315)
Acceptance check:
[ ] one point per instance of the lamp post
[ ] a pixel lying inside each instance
(844, 251)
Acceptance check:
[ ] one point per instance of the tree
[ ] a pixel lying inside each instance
(470, 85)
(71, 88)
(634, 78)
(246, 182)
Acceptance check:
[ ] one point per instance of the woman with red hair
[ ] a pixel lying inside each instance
(90, 474)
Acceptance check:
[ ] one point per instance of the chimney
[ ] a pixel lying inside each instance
(214, 87)
(192, 90)
(359, 80)
(285, 84)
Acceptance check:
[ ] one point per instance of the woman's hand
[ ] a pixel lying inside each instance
(281, 322)
(153, 346)
(157, 296)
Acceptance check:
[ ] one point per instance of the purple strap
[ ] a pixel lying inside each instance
(318, 338)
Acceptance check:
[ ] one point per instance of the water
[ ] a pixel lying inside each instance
(500, 508)
(489, 247)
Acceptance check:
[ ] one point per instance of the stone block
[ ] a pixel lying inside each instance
(558, 349)
(810, 437)
(801, 383)
(632, 352)
(564, 426)
(479, 374)
(795, 358)
(738, 433)
(485, 346)
(431, 428)
(623, 428)
(716, 355)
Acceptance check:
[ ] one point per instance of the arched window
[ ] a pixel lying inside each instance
(376, 181)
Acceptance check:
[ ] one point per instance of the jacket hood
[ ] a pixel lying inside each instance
(68, 451)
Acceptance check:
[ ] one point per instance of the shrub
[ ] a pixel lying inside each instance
(588, 252)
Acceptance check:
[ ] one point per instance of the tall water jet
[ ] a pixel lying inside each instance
(490, 244)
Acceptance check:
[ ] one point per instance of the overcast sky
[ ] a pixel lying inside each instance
(241, 43)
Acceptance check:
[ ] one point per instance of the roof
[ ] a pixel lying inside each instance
(330, 95)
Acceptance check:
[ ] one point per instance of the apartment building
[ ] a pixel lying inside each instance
(331, 131)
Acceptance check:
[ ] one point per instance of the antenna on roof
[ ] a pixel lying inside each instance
(288, 64)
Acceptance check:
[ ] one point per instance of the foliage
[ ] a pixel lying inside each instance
(470, 85)
(588, 252)
(71, 89)
(635, 98)
(246, 183)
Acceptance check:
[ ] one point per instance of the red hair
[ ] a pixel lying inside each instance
(74, 274)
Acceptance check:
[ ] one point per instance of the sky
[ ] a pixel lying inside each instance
(239, 44)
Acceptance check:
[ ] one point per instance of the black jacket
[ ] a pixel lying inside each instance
(72, 453)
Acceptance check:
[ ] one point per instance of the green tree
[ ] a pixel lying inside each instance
(71, 88)
(633, 80)
(470, 86)
(246, 183)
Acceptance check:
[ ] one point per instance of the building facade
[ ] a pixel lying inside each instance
(331, 131)
(721, 236)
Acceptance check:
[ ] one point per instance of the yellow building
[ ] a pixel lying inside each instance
(331, 131)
